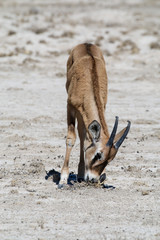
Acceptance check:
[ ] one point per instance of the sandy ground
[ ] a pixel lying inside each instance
(35, 38)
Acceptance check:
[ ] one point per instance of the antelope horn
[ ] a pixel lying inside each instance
(120, 141)
(112, 136)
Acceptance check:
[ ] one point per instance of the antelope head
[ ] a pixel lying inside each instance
(101, 151)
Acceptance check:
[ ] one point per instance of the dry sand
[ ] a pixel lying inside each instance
(35, 38)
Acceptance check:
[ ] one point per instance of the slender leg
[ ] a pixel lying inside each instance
(81, 165)
(70, 141)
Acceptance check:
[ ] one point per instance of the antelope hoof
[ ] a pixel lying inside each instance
(63, 186)
(63, 182)
(80, 179)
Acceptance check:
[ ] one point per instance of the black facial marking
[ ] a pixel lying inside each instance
(96, 157)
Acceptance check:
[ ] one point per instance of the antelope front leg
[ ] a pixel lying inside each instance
(70, 141)
(81, 165)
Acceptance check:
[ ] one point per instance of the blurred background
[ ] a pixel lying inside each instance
(35, 40)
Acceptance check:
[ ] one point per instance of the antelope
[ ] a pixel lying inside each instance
(86, 86)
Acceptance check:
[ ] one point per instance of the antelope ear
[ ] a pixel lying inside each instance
(94, 130)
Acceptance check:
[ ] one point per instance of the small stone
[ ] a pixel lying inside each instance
(155, 45)
(145, 192)
(11, 32)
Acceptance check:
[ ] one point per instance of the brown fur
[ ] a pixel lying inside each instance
(87, 97)
(88, 67)
(96, 88)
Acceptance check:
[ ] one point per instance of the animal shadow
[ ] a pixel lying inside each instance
(56, 176)
(109, 187)
(71, 180)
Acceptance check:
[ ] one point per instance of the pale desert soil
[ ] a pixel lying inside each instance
(35, 38)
